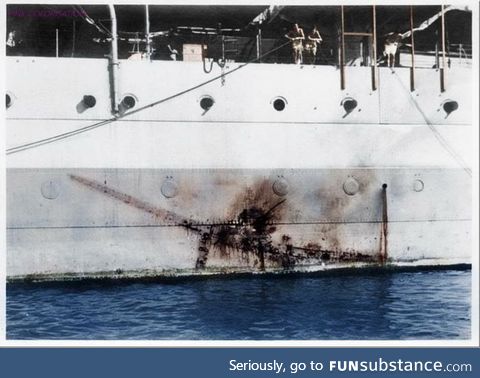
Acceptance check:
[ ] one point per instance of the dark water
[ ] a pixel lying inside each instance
(389, 305)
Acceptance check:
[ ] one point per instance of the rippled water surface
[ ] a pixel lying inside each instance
(390, 305)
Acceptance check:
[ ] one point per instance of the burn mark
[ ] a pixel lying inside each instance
(253, 218)
(158, 213)
(250, 233)
(316, 252)
(204, 249)
(257, 197)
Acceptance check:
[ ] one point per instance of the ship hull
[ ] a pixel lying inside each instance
(175, 189)
(80, 223)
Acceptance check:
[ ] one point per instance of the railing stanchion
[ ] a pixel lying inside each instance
(412, 41)
(342, 52)
(442, 68)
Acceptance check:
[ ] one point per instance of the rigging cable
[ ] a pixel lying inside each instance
(91, 21)
(69, 134)
(443, 142)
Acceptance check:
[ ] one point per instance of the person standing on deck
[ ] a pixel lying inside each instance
(391, 45)
(297, 37)
(313, 39)
(11, 39)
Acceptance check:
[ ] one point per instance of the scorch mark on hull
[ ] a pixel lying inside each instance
(247, 235)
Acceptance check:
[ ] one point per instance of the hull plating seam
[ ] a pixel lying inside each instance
(253, 122)
(234, 222)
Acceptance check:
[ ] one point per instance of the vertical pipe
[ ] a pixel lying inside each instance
(73, 37)
(223, 48)
(56, 43)
(114, 61)
(362, 54)
(374, 67)
(342, 51)
(442, 69)
(147, 33)
(412, 42)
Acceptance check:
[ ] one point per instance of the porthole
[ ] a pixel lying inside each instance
(349, 103)
(129, 102)
(50, 189)
(8, 100)
(418, 185)
(89, 101)
(351, 186)
(279, 104)
(169, 188)
(449, 106)
(280, 187)
(206, 102)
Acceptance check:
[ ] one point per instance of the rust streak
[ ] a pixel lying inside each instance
(384, 227)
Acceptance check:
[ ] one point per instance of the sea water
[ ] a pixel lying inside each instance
(422, 305)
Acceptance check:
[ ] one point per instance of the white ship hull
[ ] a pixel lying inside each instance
(242, 187)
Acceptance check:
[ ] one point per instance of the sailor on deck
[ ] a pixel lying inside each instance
(313, 39)
(297, 37)
(173, 52)
(392, 42)
(11, 39)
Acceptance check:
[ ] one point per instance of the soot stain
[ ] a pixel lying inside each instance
(249, 232)
(257, 211)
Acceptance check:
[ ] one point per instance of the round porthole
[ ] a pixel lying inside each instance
(280, 187)
(449, 106)
(206, 102)
(418, 185)
(351, 186)
(129, 102)
(89, 101)
(349, 103)
(50, 189)
(169, 188)
(8, 100)
(279, 104)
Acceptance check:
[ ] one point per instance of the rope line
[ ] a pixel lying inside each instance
(443, 142)
(90, 20)
(69, 134)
